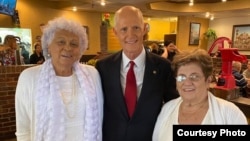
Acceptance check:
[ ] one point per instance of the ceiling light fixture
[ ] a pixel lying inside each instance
(74, 9)
(191, 2)
(103, 3)
(207, 14)
(212, 17)
(223, 0)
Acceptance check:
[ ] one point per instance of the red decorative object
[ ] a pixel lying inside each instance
(106, 16)
(227, 56)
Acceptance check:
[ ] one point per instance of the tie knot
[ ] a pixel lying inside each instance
(132, 63)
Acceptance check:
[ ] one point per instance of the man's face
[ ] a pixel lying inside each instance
(130, 30)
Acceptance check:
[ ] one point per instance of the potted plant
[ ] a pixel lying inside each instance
(210, 34)
(92, 62)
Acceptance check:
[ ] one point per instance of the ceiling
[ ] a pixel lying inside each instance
(162, 8)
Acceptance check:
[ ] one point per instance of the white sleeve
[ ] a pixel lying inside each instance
(160, 120)
(24, 106)
(100, 101)
(99, 92)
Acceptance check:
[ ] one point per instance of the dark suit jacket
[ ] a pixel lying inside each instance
(158, 86)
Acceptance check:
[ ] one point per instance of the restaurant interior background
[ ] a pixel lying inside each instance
(164, 17)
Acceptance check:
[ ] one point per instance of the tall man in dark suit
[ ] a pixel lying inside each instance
(154, 79)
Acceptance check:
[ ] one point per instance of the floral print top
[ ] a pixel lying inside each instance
(7, 58)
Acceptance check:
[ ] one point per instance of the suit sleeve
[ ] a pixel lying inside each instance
(171, 91)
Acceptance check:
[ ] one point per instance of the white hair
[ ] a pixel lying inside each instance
(65, 24)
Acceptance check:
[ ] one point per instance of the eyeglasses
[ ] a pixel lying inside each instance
(193, 77)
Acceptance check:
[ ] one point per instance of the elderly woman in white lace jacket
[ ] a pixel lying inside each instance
(60, 100)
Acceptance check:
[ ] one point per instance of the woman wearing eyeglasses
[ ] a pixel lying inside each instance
(196, 105)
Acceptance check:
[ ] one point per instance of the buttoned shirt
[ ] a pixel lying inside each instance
(138, 70)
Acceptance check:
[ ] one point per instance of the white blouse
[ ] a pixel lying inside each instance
(74, 106)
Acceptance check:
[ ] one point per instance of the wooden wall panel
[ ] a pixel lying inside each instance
(113, 43)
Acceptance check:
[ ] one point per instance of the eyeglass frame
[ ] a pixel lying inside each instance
(193, 78)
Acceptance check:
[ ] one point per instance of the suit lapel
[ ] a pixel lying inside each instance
(150, 74)
(149, 79)
(119, 96)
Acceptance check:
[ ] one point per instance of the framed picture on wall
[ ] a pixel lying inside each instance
(194, 34)
(87, 31)
(241, 37)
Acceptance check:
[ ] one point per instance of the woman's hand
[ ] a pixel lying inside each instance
(165, 53)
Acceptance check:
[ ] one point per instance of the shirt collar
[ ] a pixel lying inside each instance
(139, 60)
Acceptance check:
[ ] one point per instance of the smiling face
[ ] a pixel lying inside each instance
(64, 50)
(130, 29)
(194, 88)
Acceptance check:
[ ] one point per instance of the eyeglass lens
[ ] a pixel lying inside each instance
(192, 77)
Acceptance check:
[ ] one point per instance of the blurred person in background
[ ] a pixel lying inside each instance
(170, 50)
(246, 72)
(240, 80)
(155, 48)
(37, 56)
(9, 54)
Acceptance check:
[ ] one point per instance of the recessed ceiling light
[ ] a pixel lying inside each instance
(103, 3)
(212, 17)
(74, 8)
(207, 14)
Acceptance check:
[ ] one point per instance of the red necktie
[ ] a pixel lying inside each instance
(131, 90)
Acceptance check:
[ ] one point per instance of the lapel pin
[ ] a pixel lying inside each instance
(154, 71)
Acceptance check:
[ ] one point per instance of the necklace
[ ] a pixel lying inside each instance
(193, 116)
(70, 99)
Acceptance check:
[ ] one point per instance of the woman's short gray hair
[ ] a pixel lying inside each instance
(198, 56)
(65, 24)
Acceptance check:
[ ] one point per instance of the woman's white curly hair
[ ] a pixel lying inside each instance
(65, 24)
